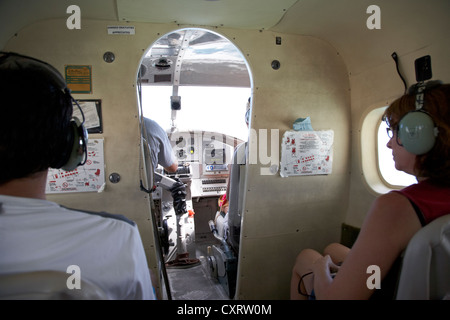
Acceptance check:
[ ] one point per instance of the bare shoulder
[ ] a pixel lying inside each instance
(392, 201)
(393, 218)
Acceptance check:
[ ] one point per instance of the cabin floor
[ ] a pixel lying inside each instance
(196, 283)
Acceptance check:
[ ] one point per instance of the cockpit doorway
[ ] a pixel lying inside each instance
(197, 86)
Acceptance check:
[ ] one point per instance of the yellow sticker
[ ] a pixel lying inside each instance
(79, 78)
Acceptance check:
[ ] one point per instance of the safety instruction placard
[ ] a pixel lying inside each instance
(87, 178)
(306, 153)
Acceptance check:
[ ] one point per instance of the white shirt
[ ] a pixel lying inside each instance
(41, 235)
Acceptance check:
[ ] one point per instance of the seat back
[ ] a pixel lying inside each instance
(425, 272)
(236, 195)
(46, 285)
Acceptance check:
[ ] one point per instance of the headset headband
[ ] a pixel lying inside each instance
(419, 96)
(12, 59)
(77, 150)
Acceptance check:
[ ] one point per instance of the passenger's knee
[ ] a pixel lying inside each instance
(305, 253)
(337, 252)
(332, 247)
(306, 257)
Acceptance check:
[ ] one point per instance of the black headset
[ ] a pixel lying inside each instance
(75, 151)
(416, 130)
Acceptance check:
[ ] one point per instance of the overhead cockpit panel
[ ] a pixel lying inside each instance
(201, 58)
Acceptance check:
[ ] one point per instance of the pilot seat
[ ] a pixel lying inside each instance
(223, 257)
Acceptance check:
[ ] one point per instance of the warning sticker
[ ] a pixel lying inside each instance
(307, 153)
(79, 78)
(87, 178)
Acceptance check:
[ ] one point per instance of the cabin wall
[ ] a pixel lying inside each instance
(282, 215)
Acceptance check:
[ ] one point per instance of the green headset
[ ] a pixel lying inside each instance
(74, 152)
(416, 130)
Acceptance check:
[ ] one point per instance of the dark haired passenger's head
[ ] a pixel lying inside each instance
(35, 115)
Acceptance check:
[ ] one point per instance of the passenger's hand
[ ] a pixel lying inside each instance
(325, 265)
(323, 268)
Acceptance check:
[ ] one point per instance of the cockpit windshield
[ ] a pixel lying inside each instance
(215, 109)
(207, 73)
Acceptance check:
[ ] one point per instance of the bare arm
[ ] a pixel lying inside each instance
(172, 168)
(390, 224)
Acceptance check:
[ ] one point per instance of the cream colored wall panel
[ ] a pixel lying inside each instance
(312, 81)
(267, 274)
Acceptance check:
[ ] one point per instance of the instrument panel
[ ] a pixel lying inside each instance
(207, 155)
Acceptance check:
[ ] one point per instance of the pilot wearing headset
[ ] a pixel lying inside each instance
(38, 133)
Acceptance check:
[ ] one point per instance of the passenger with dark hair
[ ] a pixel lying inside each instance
(38, 133)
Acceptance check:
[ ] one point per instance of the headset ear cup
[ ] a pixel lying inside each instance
(79, 146)
(417, 132)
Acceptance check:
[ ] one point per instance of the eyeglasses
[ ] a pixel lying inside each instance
(390, 132)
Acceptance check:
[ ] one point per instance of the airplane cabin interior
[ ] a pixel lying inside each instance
(201, 68)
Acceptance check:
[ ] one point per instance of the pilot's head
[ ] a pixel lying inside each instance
(36, 112)
(247, 112)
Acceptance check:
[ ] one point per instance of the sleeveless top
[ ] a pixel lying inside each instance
(430, 201)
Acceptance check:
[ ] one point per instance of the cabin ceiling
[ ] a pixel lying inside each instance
(406, 25)
(250, 14)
